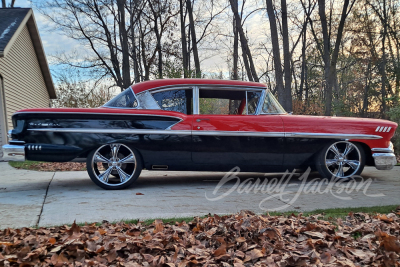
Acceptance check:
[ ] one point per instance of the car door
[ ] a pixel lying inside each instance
(226, 131)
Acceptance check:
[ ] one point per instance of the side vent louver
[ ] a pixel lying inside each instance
(383, 129)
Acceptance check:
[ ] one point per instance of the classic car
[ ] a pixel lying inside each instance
(197, 125)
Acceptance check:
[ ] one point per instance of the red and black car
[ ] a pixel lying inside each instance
(197, 125)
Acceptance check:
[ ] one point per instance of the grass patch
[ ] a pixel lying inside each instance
(340, 212)
(26, 165)
(328, 214)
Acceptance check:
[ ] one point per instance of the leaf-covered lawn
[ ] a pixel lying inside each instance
(242, 239)
(48, 166)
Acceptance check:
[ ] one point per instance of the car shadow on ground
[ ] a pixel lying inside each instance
(167, 180)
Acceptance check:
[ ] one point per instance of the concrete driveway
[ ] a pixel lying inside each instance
(29, 198)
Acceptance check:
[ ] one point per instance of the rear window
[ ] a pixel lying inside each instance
(125, 99)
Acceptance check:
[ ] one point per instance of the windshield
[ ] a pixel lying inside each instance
(126, 99)
(271, 105)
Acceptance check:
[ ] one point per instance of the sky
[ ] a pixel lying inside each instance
(213, 61)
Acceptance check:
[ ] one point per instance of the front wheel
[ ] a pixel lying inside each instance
(114, 166)
(341, 159)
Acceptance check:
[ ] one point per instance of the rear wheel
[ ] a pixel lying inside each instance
(341, 159)
(114, 166)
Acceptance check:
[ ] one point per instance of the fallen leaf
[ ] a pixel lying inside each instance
(139, 194)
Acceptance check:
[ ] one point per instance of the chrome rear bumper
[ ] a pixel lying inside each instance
(14, 152)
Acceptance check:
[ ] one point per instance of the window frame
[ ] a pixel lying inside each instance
(196, 96)
(159, 90)
(261, 112)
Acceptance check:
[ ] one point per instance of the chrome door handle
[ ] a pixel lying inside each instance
(199, 120)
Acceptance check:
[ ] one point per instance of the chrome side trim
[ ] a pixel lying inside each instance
(13, 153)
(217, 133)
(332, 136)
(95, 113)
(239, 133)
(13, 142)
(112, 131)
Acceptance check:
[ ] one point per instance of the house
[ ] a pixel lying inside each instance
(25, 79)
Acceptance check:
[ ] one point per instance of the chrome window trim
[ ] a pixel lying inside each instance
(227, 88)
(170, 88)
(196, 99)
(261, 102)
(208, 86)
(216, 133)
(247, 106)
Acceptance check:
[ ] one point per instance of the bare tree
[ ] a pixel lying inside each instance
(246, 53)
(276, 53)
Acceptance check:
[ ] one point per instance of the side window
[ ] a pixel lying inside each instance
(125, 99)
(253, 98)
(175, 100)
(228, 102)
(221, 102)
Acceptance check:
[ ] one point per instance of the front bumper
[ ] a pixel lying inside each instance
(14, 153)
(384, 161)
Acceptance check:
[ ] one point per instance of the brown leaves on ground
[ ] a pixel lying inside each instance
(57, 166)
(239, 240)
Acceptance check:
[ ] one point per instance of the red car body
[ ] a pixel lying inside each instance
(204, 125)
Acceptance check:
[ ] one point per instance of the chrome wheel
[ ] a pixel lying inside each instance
(113, 165)
(343, 159)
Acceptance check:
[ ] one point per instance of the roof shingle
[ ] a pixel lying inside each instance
(10, 19)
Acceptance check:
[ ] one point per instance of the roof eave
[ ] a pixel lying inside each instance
(44, 66)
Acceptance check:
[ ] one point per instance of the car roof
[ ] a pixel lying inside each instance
(143, 86)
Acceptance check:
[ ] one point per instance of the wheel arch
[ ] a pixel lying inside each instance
(369, 160)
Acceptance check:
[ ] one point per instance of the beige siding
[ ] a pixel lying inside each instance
(3, 127)
(24, 86)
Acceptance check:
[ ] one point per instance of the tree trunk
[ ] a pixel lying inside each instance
(366, 90)
(235, 75)
(126, 72)
(133, 10)
(3, 4)
(276, 52)
(194, 39)
(303, 62)
(286, 60)
(326, 57)
(383, 78)
(183, 41)
(252, 74)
